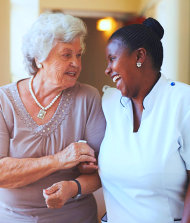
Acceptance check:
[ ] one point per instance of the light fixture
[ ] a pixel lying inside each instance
(106, 24)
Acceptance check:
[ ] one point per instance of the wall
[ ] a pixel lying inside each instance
(23, 14)
(174, 15)
(94, 58)
(5, 76)
(183, 72)
(98, 5)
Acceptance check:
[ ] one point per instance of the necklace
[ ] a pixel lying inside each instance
(43, 110)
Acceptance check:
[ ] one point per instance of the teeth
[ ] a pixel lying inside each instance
(71, 73)
(115, 78)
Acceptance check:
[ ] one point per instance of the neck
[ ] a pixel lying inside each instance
(44, 88)
(147, 84)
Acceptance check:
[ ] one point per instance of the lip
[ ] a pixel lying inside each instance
(115, 77)
(71, 73)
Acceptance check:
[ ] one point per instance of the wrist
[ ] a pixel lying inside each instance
(58, 162)
(77, 189)
(49, 162)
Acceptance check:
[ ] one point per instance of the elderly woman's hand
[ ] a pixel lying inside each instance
(87, 167)
(74, 154)
(58, 194)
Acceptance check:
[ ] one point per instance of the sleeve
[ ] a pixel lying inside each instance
(185, 140)
(95, 127)
(4, 136)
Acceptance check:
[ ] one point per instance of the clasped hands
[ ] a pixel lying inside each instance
(76, 154)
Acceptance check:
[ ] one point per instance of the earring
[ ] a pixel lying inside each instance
(39, 65)
(139, 64)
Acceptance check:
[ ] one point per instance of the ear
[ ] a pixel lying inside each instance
(141, 55)
(38, 64)
(36, 61)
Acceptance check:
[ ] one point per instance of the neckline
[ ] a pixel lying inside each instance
(147, 100)
(147, 103)
(61, 112)
(36, 100)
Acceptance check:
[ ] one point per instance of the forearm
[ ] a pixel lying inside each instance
(60, 192)
(20, 172)
(186, 212)
(89, 183)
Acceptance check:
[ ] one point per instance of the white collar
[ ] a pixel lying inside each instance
(150, 98)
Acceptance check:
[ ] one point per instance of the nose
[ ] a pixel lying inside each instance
(108, 70)
(74, 62)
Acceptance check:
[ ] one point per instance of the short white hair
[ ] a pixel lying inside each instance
(38, 41)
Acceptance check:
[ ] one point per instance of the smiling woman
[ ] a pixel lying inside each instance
(149, 115)
(42, 119)
(63, 64)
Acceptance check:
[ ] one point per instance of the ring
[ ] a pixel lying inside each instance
(84, 141)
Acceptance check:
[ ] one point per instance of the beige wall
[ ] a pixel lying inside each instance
(183, 72)
(176, 40)
(97, 5)
(179, 39)
(5, 42)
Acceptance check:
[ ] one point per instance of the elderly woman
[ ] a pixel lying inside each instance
(147, 143)
(42, 118)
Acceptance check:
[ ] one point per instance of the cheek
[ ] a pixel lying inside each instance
(53, 65)
(79, 64)
(59, 66)
(80, 67)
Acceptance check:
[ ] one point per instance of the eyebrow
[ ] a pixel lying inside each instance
(68, 49)
(109, 55)
(65, 49)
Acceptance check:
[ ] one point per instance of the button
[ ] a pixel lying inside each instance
(173, 83)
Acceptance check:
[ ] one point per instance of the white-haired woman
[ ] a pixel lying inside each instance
(42, 118)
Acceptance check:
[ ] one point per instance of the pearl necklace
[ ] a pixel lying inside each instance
(43, 110)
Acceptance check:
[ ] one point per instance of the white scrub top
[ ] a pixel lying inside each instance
(144, 173)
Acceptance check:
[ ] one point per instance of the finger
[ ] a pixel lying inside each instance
(54, 206)
(86, 158)
(54, 202)
(90, 166)
(44, 194)
(91, 163)
(52, 189)
(86, 167)
(86, 150)
(51, 202)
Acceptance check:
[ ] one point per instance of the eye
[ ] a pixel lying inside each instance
(79, 55)
(67, 55)
(112, 58)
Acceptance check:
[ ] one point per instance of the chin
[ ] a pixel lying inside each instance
(123, 92)
(69, 85)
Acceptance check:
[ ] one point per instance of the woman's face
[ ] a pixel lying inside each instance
(63, 64)
(122, 68)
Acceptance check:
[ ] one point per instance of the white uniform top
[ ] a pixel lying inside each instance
(144, 173)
